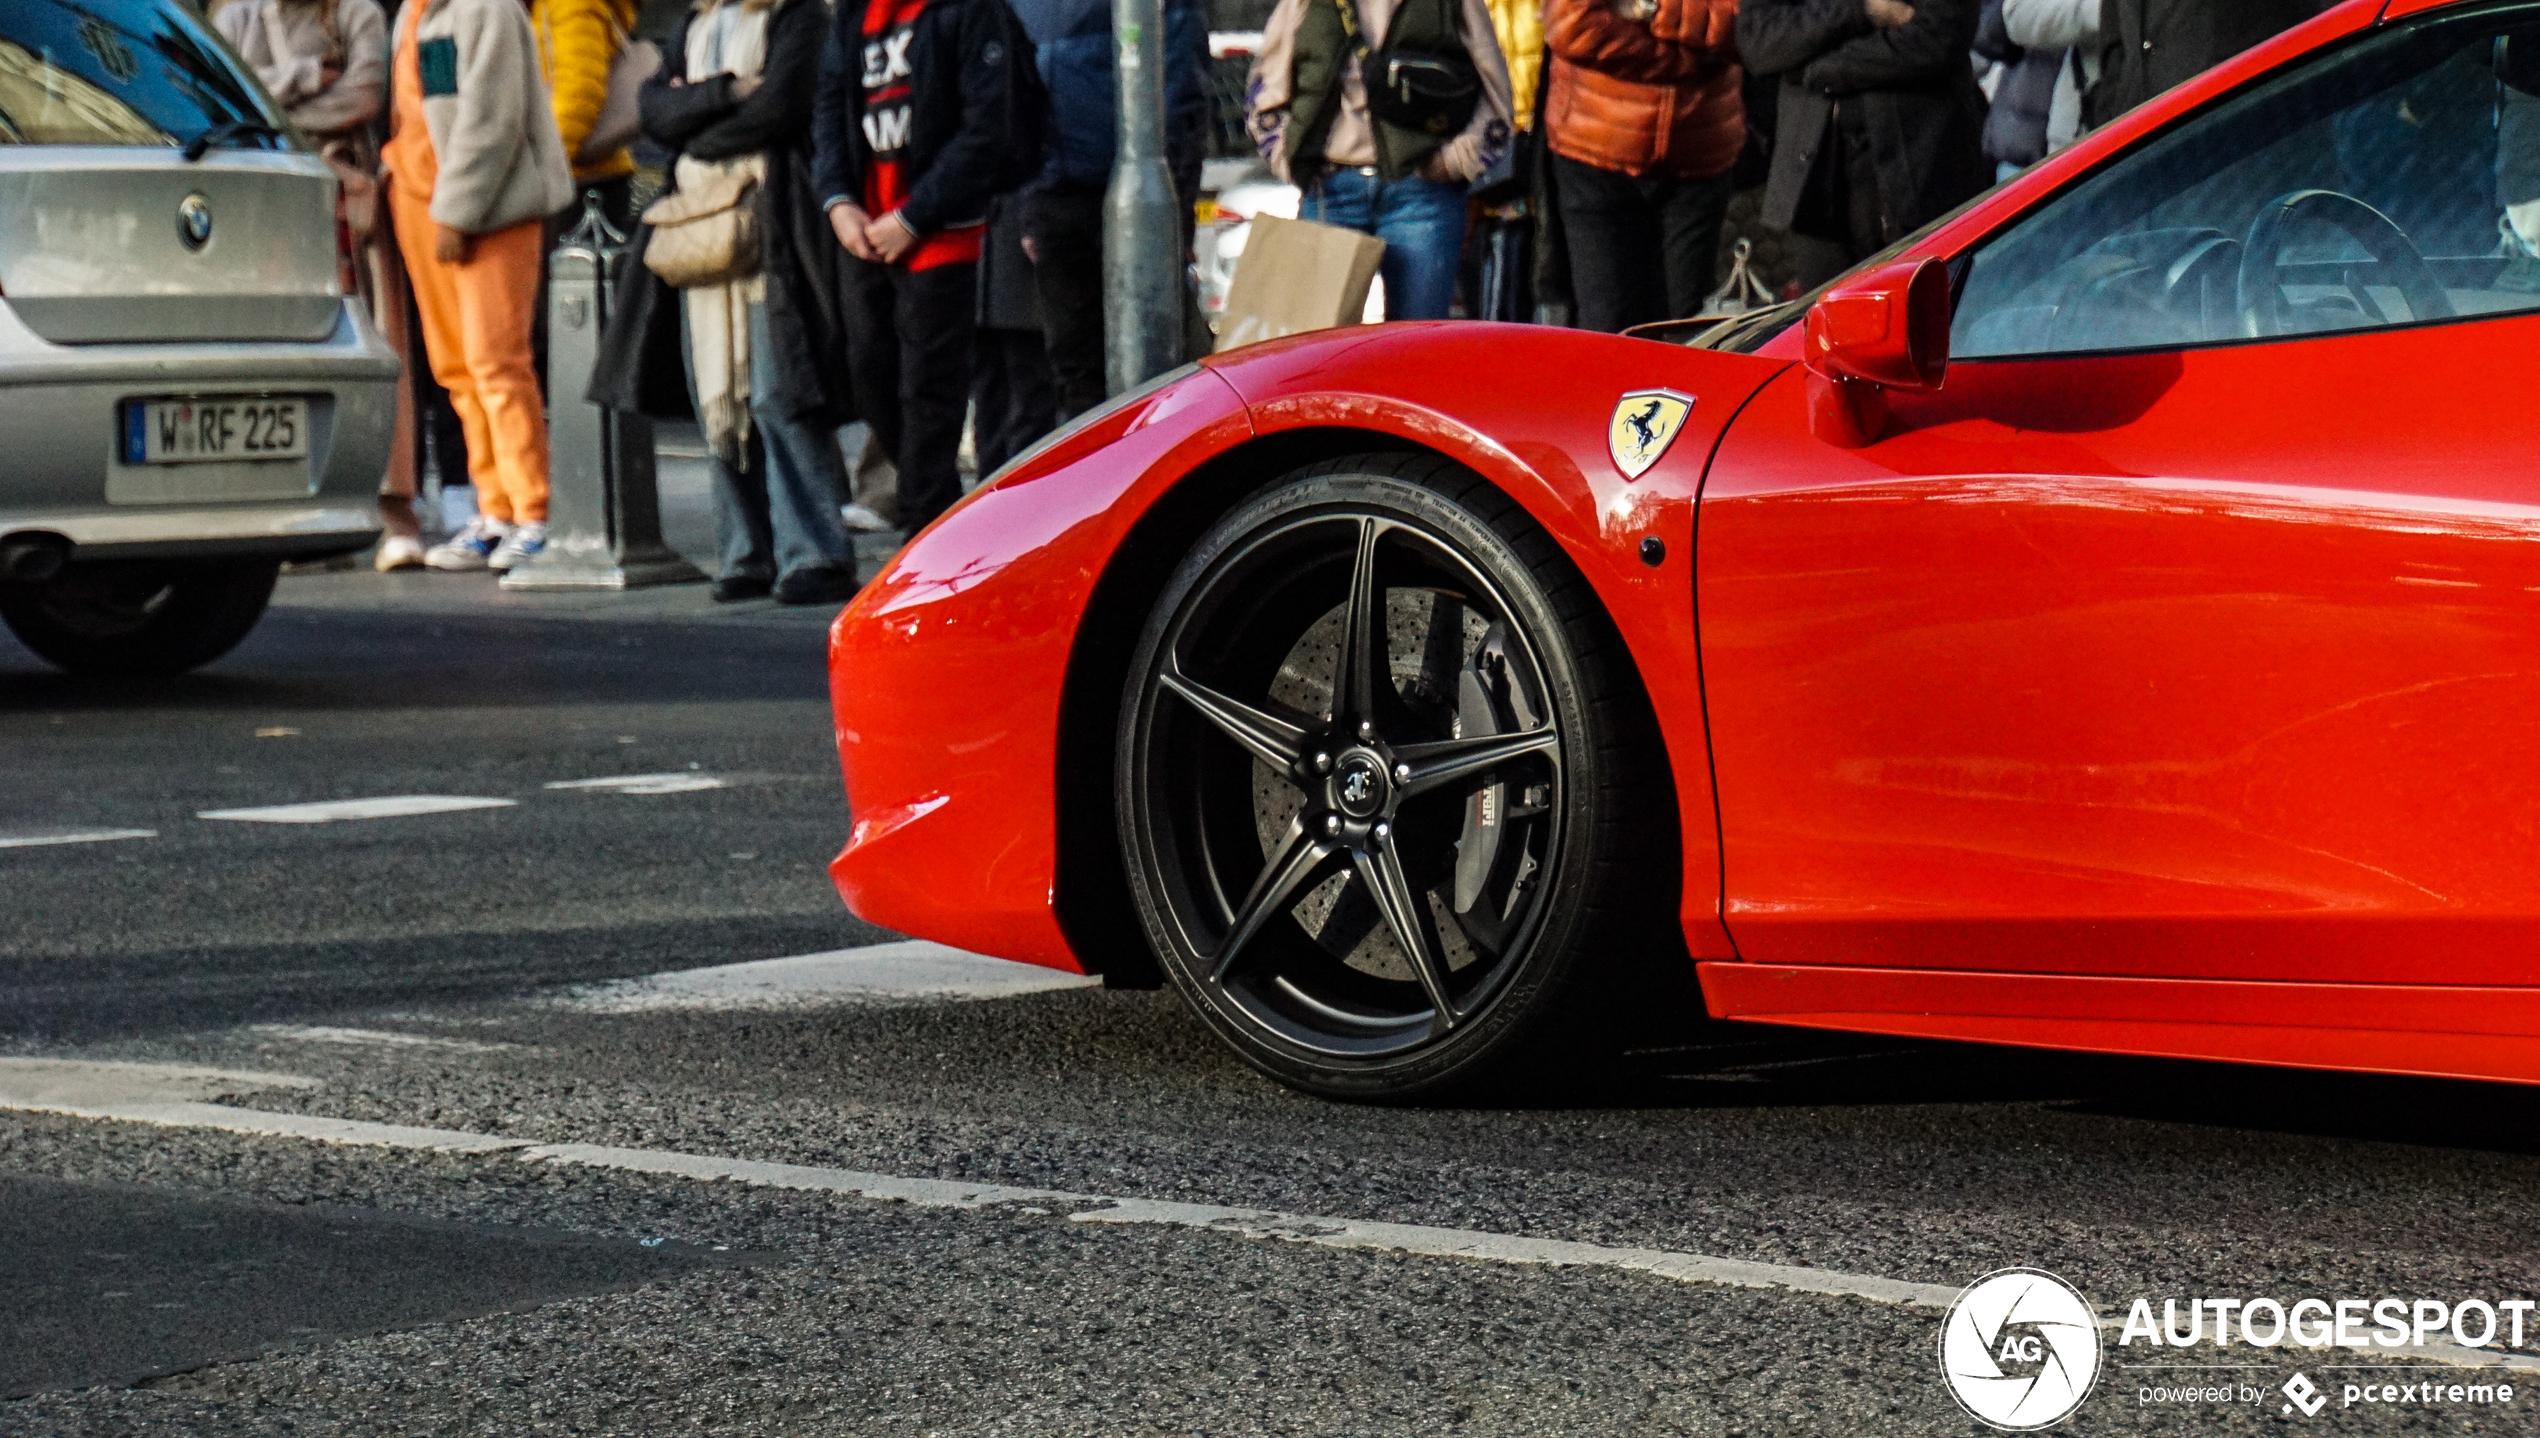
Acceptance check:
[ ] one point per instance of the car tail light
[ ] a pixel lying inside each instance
(347, 258)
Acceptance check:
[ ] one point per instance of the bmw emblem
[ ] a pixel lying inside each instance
(194, 221)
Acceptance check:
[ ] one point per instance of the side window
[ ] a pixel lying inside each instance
(2393, 182)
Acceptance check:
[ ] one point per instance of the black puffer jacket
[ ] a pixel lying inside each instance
(2147, 46)
(640, 366)
(1913, 87)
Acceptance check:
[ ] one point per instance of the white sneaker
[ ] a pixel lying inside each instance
(398, 551)
(526, 539)
(863, 520)
(470, 548)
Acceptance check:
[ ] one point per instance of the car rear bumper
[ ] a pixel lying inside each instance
(62, 470)
(282, 531)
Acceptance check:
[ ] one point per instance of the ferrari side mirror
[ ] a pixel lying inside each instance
(1887, 329)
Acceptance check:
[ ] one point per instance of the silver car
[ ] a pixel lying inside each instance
(188, 398)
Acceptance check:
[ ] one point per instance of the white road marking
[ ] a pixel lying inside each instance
(173, 1096)
(169, 1097)
(327, 811)
(31, 838)
(910, 969)
(378, 1038)
(44, 1083)
(674, 783)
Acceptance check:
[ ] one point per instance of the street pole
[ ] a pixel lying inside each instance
(1142, 262)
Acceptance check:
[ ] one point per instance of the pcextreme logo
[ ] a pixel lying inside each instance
(2020, 1349)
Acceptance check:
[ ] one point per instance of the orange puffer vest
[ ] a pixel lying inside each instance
(1642, 97)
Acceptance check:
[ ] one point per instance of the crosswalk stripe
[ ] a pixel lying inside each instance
(683, 782)
(379, 1038)
(328, 811)
(37, 837)
(909, 969)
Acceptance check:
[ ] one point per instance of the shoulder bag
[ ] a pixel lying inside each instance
(1432, 92)
(706, 233)
(631, 63)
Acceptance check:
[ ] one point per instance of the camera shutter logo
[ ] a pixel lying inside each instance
(2020, 1349)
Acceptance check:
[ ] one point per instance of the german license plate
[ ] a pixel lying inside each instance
(215, 428)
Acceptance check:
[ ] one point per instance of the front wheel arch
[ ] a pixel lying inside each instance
(1091, 890)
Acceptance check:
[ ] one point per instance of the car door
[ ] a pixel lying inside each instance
(2192, 628)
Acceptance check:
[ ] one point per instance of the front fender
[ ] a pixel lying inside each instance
(945, 675)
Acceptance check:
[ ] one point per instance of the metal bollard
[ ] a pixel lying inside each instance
(603, 513)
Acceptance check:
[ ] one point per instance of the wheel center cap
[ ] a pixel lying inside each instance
(1360, 787)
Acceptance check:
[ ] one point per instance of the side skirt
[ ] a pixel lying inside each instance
(2428, 1030)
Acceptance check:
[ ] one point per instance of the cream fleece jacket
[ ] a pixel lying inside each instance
(493, 130)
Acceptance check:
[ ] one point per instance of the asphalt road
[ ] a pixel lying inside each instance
(438, 970)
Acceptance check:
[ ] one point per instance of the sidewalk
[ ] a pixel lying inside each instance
(687, 523)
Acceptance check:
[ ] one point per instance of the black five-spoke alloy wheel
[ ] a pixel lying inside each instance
(1370, 765)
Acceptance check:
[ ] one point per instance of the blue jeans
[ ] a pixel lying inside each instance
(1420, 221)
(778, 513)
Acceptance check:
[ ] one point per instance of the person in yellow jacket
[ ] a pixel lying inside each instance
(577, 42)
(1519, 26)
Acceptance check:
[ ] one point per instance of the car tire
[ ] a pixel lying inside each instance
(1441, 880)
(137, 618)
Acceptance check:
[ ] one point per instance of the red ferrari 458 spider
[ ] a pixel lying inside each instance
(2110, 620)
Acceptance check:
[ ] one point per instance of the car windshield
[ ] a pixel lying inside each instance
(2393, 181)
(121, 72)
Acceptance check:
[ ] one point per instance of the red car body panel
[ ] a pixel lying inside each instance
(2167, 703)
(2099, 687)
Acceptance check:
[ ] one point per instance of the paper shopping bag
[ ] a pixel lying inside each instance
(1295, 276)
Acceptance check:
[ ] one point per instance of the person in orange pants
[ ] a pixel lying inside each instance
(476, 166)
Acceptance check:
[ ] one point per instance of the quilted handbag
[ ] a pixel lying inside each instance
(706, 233)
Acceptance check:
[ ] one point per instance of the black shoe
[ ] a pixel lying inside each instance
(734, 588)
(816, 586)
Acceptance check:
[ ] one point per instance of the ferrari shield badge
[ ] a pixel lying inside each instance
(1645, 423)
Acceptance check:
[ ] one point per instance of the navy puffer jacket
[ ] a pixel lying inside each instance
(1075, 45)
